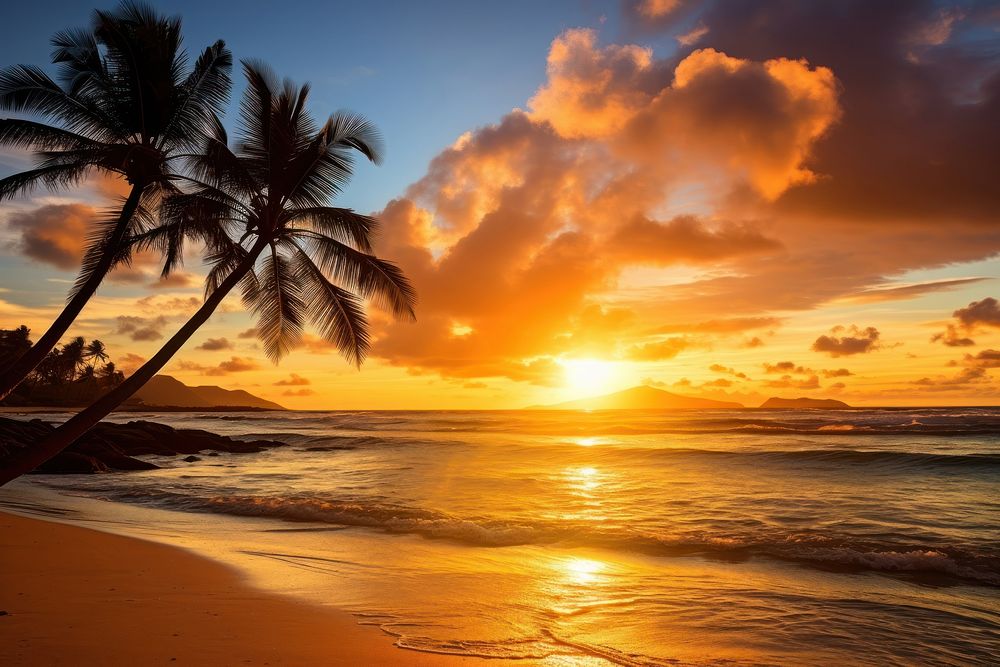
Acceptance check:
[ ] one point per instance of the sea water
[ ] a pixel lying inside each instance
(622, 537)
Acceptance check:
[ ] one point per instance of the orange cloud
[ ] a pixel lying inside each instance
(592, 91)
(657, 351)
(293, 380)
(516, 227)
(232, 365)
(54, 234)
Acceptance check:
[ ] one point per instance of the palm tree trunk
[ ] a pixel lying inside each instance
(14, 374)
(29, 458)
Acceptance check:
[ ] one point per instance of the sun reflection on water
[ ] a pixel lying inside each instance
(583, 570)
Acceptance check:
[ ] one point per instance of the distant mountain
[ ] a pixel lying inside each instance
(804, 403)
(638, 398)
(163, 390)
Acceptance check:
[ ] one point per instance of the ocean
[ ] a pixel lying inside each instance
(853, 537)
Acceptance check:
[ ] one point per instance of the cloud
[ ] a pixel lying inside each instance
(789, 382)
(909, 291)
(719, 368)
(667, 348)
(957, 382)
(836, 373)
(737, 179)
(54, 234)
(979, 313)
(214, 344)
(941, 106)
(952, 337)
(129, 362)
(298, 392)
(686, 239)
(168, 304)
(232, 365)
(293, 380)
(787, 367)
(140, 328)
(984, 359)
(247, 333)
(174, 280)
(235, 365)
(517, 226)
(984, 313)
(721, 326)
(592, 92)
(857, 341)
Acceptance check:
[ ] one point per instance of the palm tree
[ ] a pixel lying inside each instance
(296, 259)
(126, 103)
(96, 351)
(71, 357)
(110, 375)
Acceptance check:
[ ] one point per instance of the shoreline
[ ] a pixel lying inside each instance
(79, 596)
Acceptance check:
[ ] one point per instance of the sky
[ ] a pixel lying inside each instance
(733, 200)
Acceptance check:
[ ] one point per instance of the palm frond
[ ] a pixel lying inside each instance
(30, 135)
(81, 67)
(202, 96)
(377, 280)
(342, 224)
(280, 312)
(346, 129)
(99, 243)
(52, 177)
(338, 315)
(142, 51)
(27, 89)
(254, 138)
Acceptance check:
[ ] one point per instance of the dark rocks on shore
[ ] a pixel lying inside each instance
(109, 447)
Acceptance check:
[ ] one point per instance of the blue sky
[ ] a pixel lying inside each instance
(425, 72)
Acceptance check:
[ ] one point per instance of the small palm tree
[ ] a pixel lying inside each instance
(296, 259)
(126, 104)
(96, 351)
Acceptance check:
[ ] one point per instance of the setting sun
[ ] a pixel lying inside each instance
(589, 375)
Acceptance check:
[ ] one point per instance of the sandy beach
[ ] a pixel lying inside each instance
(74, 596)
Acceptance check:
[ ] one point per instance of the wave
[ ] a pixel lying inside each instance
(871, 458)
(888, 459)
(826, 551)
(941, 422)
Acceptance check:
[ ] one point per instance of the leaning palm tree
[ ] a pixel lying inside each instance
(125, 104)
(295, 258)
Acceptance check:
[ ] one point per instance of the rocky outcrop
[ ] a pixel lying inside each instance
(110, 447)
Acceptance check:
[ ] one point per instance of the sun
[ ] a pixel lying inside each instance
(588, 375)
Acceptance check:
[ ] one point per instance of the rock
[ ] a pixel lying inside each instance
(191, 459)
(109, 447)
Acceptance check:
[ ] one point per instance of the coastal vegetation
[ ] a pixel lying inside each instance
(76, 373)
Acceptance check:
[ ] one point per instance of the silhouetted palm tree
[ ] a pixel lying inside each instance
(71, 357)
(96, 351)
(125, 103)
(296, 258)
